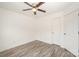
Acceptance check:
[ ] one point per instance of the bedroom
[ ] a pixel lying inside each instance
(58, 25)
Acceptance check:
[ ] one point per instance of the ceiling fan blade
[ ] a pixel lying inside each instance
(27, 9)
(28, 4)
(39, 4)
(34, 13)
(41, 10)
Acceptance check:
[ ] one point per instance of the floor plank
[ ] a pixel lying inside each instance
(37, 49)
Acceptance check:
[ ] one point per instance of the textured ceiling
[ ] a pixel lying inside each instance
(50, 7)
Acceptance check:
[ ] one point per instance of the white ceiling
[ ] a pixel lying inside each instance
(50, 7)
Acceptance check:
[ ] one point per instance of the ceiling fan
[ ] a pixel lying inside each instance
(35, 8)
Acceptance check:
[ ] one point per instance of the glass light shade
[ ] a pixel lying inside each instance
(34, 9)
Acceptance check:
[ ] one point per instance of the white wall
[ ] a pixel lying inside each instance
(16, 29)
(43, 30)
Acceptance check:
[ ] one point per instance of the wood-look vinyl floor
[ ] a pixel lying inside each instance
(37, 49)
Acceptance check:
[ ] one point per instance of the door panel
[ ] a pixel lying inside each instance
(71, 32)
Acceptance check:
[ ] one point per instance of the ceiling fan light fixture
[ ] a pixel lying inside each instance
(34, 9)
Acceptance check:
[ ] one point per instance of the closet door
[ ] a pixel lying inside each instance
(57, 31)
(71, 32)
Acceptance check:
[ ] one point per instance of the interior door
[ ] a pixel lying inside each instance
(71, 32)
(57, 31)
